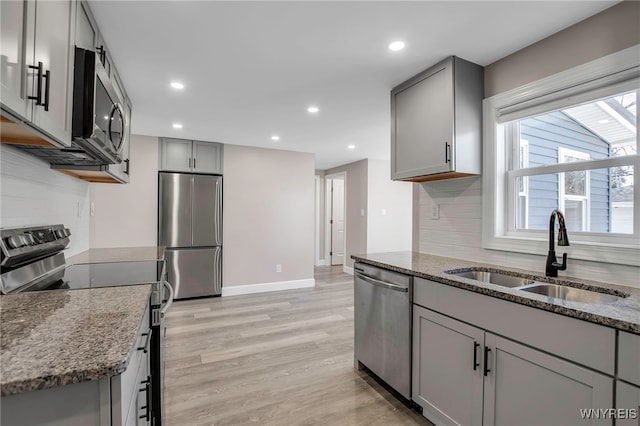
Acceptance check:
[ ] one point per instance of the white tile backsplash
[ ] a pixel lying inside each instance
(33, 194)
(458, 233)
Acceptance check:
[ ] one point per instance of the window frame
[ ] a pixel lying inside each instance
(563, 196)
(618, 72)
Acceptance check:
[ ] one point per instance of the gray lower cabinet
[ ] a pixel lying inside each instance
(447, 377)
(181, 155)
(121, 400)
(463, 375)
(627, 404)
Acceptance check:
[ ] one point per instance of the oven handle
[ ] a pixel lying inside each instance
(165, 283)
(383, 284)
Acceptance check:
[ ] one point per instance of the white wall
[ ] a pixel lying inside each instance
(33, 194)
(127, 215)
(458, 233)
(389, 210)
(268, 216)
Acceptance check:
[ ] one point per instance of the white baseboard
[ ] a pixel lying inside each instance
(266, 287)
(347, 270)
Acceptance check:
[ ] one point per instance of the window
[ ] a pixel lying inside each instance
(569, 142)
(574, 191)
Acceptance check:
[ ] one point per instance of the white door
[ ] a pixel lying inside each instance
(337, 222)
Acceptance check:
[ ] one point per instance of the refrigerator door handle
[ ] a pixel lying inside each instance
(165, 308)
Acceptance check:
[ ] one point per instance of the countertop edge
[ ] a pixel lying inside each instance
(109, 368)
(595, 318)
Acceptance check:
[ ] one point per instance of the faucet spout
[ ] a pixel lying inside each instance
(552, 266)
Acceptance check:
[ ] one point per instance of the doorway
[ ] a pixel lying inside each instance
(336, 218)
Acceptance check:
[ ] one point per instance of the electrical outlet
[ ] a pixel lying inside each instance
(92, 209)
(362, 212)
(278, 267)
(435, 211)
(384, 212)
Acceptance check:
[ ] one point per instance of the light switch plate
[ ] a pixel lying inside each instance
(435, 211)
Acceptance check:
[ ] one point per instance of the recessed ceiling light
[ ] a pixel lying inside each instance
(603, 121)
(177, 85)
(313, 109)
(177, 126)
(352, 147)
(396, 45)
(275, 138)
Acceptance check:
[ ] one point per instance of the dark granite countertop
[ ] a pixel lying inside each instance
(622, 315)
(53, 338)
(118, 254)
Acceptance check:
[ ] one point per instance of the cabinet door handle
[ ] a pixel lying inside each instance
(102, 53)
(486, 360)
(38, 97)
(476, 364)
(126, 169)
(447, 152)
(189, 162)
(194, 163)
(47, 76)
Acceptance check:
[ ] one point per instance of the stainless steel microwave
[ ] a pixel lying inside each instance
(98, 120)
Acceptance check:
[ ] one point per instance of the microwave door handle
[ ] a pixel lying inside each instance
(170, 300)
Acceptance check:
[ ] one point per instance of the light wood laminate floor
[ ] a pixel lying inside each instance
(280, 358)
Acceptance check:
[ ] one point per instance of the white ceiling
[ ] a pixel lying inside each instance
(252, 68)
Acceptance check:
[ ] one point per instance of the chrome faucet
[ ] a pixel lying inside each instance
(563, 240)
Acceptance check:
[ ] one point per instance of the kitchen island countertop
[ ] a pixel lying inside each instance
(54, 338)
(622, 315)
(118, 254)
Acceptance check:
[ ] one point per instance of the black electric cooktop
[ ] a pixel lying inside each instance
(94, 275)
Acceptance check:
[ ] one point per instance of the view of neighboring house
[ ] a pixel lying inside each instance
(592, 199)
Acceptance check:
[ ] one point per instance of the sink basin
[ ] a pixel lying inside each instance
(495, 278)
(571, 294)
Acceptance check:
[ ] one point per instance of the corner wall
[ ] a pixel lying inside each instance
(127, 215)
(268, 216)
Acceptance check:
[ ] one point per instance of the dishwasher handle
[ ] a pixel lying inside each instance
(383, 284)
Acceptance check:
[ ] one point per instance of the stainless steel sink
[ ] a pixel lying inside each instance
(571, 294)
(494, 278)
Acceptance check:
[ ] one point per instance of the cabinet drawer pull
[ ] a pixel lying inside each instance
(486, 360)
(147, 406)
(476, 364)
(447, 152)
(38, 97)
(145, 348)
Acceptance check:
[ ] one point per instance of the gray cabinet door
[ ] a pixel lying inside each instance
(526, 386)
(447, 368)
(628, 399)
(13, 73)
(207, 157)
(175, 210)
(176, 155)
(86, 29)
(422, 125)
(54, 40)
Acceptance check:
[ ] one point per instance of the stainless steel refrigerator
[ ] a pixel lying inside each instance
(190, 227)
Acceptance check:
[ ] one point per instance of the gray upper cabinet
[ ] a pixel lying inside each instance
(180, 155)
(436, 123)
(37, 64)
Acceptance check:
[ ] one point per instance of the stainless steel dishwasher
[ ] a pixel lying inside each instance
(382, 302)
